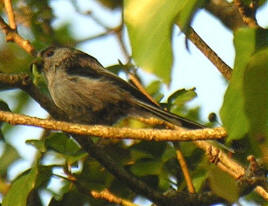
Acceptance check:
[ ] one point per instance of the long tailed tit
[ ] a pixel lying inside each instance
(88, 93)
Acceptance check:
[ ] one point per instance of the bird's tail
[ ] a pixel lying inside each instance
(169, 117)
(177, 120)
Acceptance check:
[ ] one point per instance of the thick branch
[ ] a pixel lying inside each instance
(24, 82)
(113, 132)
(247, 13)
(114, 168)
(221, 159)
(226, 12)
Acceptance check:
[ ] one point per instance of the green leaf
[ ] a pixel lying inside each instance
(181, 97)
(44, 175)
(146, 167)
(9, 155)
(156, 149)
(168, 153)
(38, 144)
(94, 176)
(4, 106)
(21, 188)
(115, 68)
(154, 90)
(138, 154)
(199, 177)
(39, 79)
(65, 146)
(149, 25)
(63, 35)
(187, 13)
(247, 42)
(72, 197)
(223, 184)
(256, 95)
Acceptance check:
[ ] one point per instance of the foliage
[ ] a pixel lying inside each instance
(68, 174)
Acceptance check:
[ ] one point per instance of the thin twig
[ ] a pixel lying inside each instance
(119, 36)
(104, 194)
(225, 70)
(262, 192)
(185, 171)
(137, 83)
(13, 36)
(108, 196)
(10, 14)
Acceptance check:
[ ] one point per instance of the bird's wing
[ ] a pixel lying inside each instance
(87, 62)
(85, 68)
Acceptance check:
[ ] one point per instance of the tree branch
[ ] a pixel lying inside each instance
(185, 170)
(108, 196)
(113, 132)
(119, 172)
(226, 12)
(13, 36)
(247, 13)
(225, 70)
(10, 14)
(24, 82)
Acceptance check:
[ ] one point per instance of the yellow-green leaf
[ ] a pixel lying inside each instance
(149, 25)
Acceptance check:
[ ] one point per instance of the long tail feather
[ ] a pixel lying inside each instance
(172, 118)
(177, 120)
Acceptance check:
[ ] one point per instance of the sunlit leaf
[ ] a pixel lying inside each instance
(21, 188)
(180, 97)
(149, 25)
(256, 95)
(223, 184)
(154, 89)
(66, 146)
(186, 14)
(247, 41)
(38, 144)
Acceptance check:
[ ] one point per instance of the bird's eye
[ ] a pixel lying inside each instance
(49, 53)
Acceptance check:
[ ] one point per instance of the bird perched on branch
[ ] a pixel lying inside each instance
(88, 93)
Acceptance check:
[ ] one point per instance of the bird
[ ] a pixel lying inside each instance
(90, 94)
